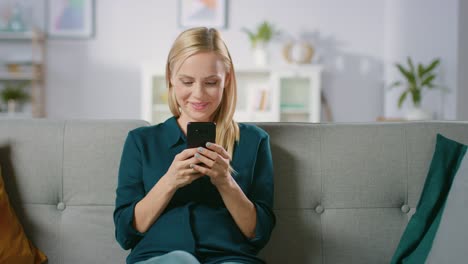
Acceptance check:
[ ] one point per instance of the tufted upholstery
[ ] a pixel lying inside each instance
(343, 192)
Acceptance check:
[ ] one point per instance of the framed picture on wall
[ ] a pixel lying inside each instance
(70, 18)
(206, 13)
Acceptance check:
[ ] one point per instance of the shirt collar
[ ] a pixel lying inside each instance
(175, 135)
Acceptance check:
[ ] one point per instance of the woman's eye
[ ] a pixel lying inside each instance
(211, 83)
(187, 83)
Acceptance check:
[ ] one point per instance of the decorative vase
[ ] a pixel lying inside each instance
(417, 113)
(299, 52)
(16, 23)
(260, 55)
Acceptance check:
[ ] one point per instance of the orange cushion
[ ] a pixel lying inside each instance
(15, 247)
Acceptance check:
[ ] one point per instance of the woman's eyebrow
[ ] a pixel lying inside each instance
(212, 76)
(184, 76)
(190, 77)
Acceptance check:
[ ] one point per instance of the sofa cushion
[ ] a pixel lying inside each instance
(417, 240)
(15, 247)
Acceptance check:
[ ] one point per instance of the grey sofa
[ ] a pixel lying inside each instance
(343, 192)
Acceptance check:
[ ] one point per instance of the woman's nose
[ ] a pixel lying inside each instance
(198, 89)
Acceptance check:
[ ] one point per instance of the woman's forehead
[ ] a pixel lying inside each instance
(204, 64)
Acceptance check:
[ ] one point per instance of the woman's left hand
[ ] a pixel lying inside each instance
(216, 163)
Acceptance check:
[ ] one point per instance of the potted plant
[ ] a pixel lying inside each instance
(13, 94)
(416, 79)
(259, 40)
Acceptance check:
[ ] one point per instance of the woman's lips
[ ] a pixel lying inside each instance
(199, 106)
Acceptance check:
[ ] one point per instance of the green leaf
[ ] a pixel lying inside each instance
(413, 88)
(416, 78)
(411, 66)
(431, 67)
(395, 84)
(405, 73)
(264, 33)
(420, 70)
(14, 93)
(402, 98)
(416, 94)
(250, 34)
(428, 80)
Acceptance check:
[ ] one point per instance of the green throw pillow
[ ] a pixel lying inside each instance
(416, 242)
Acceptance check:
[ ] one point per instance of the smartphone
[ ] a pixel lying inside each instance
(199, 133)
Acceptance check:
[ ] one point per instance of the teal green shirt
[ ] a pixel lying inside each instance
(196, 219)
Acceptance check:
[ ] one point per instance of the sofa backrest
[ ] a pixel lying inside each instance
(62, 176)
(342, 191)
(345, 192)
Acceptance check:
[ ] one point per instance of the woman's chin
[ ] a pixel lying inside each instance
(200, 117)
(200, 114)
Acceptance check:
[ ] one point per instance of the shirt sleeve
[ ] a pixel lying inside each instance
(130, 190)
(261, 195)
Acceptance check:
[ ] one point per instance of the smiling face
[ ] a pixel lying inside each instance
(198, 84)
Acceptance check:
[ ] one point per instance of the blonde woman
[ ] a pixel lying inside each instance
(210, 204)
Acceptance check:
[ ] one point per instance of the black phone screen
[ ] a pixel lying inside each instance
(199, 133)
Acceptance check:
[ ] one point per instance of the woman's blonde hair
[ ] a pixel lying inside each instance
(202, 39)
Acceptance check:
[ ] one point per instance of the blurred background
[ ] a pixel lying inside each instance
(297, 60)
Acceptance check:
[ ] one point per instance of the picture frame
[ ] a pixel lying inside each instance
(70, 19)
(202, 13)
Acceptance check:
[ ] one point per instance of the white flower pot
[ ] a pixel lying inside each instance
(260, 56)
(417, 113)
(11, 106)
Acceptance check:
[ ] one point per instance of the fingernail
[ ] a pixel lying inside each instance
(200, 149)
(197, 155)
(191, 166)
(208, 144)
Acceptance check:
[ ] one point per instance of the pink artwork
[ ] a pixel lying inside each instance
(207, 13)
(70, 18)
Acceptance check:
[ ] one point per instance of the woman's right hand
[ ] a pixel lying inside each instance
(180, 173)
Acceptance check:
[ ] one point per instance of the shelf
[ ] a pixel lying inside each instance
(390, 119)
(6, 115)
(286, 94)
(294, 111)
(27, 35)
(27, 76)
(23, 65)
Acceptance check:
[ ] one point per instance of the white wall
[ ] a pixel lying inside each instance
(358, 42)
(422, 29)
(462, 105)
(100, 78)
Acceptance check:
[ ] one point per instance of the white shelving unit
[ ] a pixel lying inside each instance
(256, 96)
(299, 93)
(154, 107)
(264, 94)
(32, 43)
